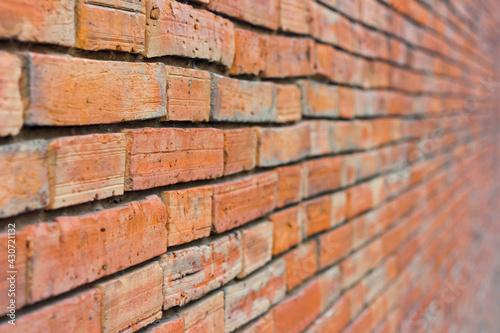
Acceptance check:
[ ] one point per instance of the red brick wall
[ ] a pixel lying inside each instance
(248, 165)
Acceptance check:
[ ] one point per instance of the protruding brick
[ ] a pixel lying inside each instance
(206, 315)
(164, 156)
(301, 264)
(246, 62)
(240, 150)
(86, 168)
(177, 29)
(116, 238)
(322, 175)
(290, 185)
(243, 200)
(257, 246)
(133, 300)
(294, 16)
(252, 297)
(193, 272)
(189, 214)
(288, 226)
(73, 91)
(257, 12)
(188, 94)
(287, 56)
(23, 177)
(335, 244)
(11, 104)
(317, 215)
(288, 103)
(320, 100)
(281, 145)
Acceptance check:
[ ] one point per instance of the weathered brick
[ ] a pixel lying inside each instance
(176, 29)
(364, 197)
(369, 164)
(240, 150)
(330, 285)
(188, 94)
(281, 145)
(133, 300)
(290, 187)
(354, 267)
(301, 264)
(317, 215)
(252, 297)
(347, 100)
(322, 137)
(324, 23)
(85, 168)
(243, 200)
(334, 319)
(44, 21)
(189, 214)
(78, 313)
(288, 103)
(111, 25)
(173, 324)
(349, 170)
(23, 177)
(320, 100)
(193, 272)
(294, 16)
(206, 315)
(286, 56)
(248, 62)
(164, 156)
(257, 12)
(11, 104)
(56, 80)
(322, 175)
(347, 136)
(233, 100)
(116, 238)
(339, 202)
(257, 246)
(334, 244)
(264, 324)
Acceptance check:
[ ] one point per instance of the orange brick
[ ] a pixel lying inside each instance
(246, 62)
(324, 23)
(364, 197)
(317, 215)
(288, 56)
(347, 136)
(192, 33)
(354, 267)
(252, 297)
(11, 104)
(369, 164)
(345, 31)
(140, 96)
(339, 201)
(189, 214)
(349, 170)
(240, 150)
(206, 315)
(282, 145)
(301, 264)
(287, 229)
(330, 286)
(264, 324)
(173, 324)
(78, 313)
(257, 246)
(257, 12)
(120, 28)
(294, 16)
(86, 168)
(188, 94)
(362, 324)
(348, 7)
(347, 100)
(290, 186)
(32, 22)
(322, 175)
(243, 200)
(334, 319)
(325, 64)
(193, 272)
(133, 300)
(189, 154)
(322, 137)
(288, 103)
(320, 100)
(334, 244)
(116, 238)
(24, 177)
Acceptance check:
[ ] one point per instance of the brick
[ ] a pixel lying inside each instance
(257, 12)
(330, 286)
(339, 202)
(301, 264)
(176, 29)
(248, 62)
(294, 16)
(252, 297)
(286, 57)
(33, 22)
(299, 310)
(325, 65)
(322, 175)
(24, 177)
(354, 267)
(233, 100)
(243, 200)
(347, 100)
(190, 154)
(188, 94)
(173, 324)
(121, 27)
(369, 164)
(257, 246)
(334, 244)
(347, 136)
(283, 145)
(193, 272)
(78, 313)
(349, 170)
(322, 137)
(11, 104)
(240, 150)
(345, 30)
(140, 96)
(116, 238)
(317, 215)
(320, 100)
(364, 197)
(287, 229)
(348, 7)
(206, 315)
(189, 214)
(133, 300)
(288, 103)
(85, 168)
(290, 187)
(264, 324)
(334, 319)
(324, 23)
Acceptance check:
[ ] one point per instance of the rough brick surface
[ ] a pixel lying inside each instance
(240, 150)
(11, 104)
(257, 244)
